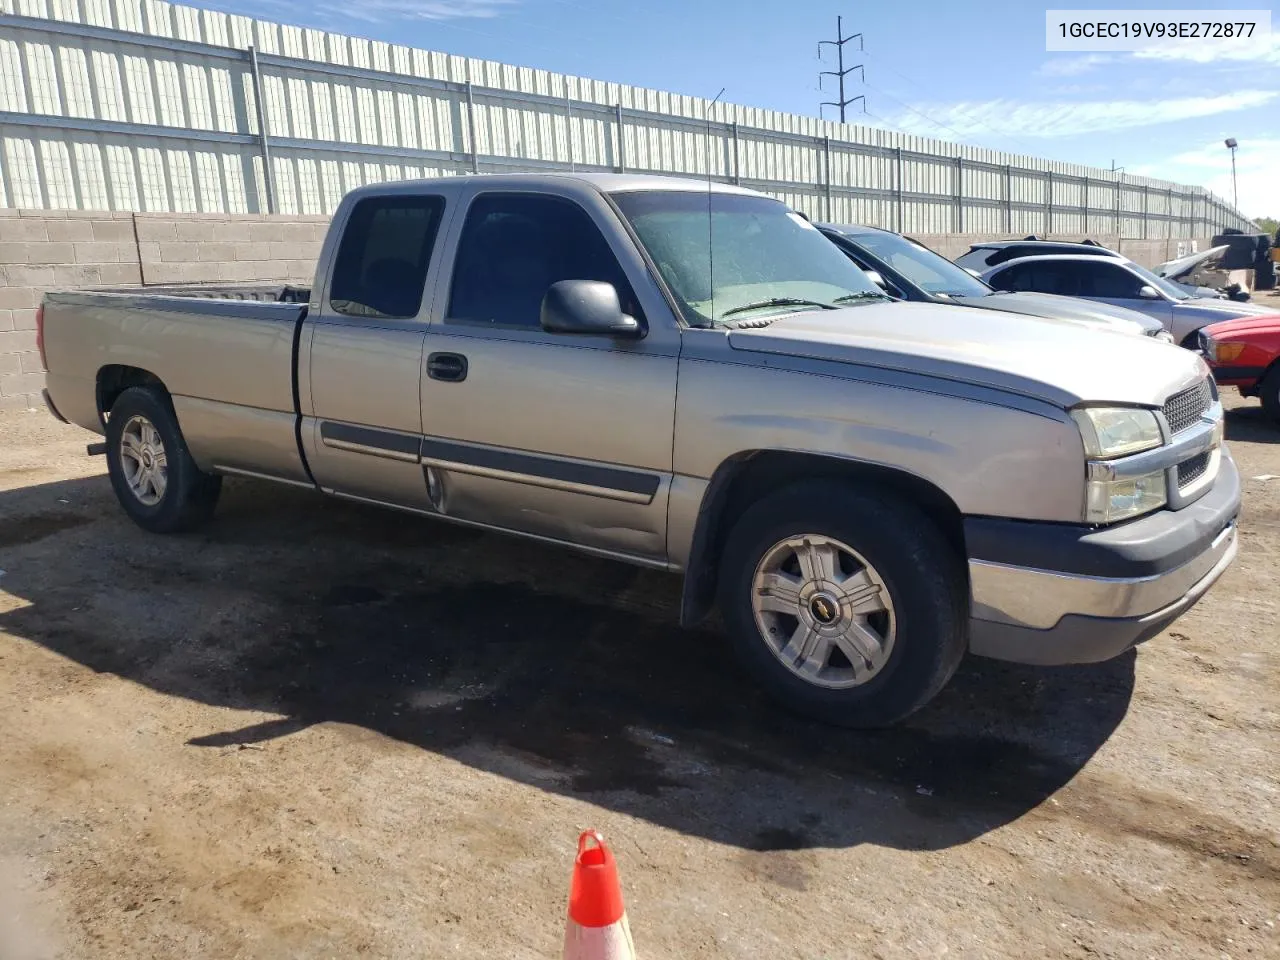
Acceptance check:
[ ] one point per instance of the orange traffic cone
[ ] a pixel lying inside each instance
(597, 926)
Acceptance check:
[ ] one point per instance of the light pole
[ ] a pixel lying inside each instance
(1235, 194)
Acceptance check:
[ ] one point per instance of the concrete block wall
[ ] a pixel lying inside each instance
(43, 250)
(220, 248)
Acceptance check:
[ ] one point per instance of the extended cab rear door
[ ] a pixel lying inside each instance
(361, 361)
(566, 436)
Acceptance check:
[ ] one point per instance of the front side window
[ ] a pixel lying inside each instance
(729, 257)
(382, 261)
(1112, 282)
(514, 247)
(1169, 289)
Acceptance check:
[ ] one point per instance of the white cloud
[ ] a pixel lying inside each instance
(1209, 165)
(1066, 118)
(383, 11)
(1073, 66)
(1264, 49)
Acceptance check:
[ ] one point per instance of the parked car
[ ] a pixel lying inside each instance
(982, 257)
(908, 270)
(689, 377)
(1120, 282)
(1245, 353)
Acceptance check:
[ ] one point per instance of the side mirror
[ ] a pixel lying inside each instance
(587, 307)
(1148, 292)
(875, 277)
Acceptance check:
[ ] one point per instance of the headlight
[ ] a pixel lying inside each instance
(1165, 336)
(1107, 501)
(1110, 432)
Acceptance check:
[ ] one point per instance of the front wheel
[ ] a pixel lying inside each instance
(1269, 391)
(154, 478)
(847, 605)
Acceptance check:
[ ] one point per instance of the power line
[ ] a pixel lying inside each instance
(921, 113)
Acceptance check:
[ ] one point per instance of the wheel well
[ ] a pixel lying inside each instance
(745, 478)
(115, 379)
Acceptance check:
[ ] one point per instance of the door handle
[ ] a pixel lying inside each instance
(450, 367)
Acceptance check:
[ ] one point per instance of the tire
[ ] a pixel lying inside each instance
(893, 550)
(1269, 390)
(152, 473)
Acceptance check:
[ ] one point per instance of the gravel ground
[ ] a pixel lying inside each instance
(319, 730)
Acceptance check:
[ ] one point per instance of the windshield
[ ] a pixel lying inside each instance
(745, 258)
(927, 270)
(1169, 288)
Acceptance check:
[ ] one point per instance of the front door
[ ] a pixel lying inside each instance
(362, 422)
(562, 436)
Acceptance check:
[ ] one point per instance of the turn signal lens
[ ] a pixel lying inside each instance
(1225, 352)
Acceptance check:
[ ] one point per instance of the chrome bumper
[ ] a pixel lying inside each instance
(1085, 637)
(1038, 599)
(1047, 594)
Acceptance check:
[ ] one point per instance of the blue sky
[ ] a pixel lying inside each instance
(956, 71)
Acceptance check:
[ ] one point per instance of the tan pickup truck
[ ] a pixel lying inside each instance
(688, 377)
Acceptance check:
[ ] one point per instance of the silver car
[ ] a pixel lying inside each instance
(908, 270)
(1121, 282)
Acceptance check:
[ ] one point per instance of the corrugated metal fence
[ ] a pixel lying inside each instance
(145, 105)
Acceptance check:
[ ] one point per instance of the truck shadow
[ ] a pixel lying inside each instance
(1251, 424)
(563, 672)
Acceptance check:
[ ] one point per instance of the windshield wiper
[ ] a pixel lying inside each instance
(778, 302)
(863, 295)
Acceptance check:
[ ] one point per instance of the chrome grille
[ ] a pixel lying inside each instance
(1189, 471)
(1184, 409)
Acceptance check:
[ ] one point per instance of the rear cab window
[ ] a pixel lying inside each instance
(381, 267)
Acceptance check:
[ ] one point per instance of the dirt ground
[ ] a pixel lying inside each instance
(318, 730)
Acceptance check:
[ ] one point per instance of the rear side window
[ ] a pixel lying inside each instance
(1001, 256)
(1034, 277)
(382, 260)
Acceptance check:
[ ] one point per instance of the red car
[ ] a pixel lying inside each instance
(1245, 353)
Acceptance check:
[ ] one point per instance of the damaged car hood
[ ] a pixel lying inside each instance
(1185, 266)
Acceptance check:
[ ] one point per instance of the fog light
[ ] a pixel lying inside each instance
(1108, 501)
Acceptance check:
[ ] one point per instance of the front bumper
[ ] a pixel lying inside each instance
(1053, 594)
(1237, 376)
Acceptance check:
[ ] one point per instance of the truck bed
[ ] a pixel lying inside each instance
(260, 292)
(227, 355)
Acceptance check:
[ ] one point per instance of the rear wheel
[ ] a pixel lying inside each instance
(847, 605)
(1269, 390)
(152, 473)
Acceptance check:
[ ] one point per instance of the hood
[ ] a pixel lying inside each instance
(1057, 361)
(1102, 315)
(1185, 266)
(1242, 326)
(1228, 308)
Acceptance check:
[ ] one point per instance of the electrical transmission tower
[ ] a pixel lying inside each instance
(841, 70)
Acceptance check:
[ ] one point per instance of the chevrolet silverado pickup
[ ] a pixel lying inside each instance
(687, 376)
